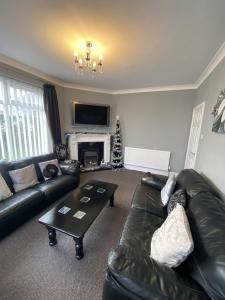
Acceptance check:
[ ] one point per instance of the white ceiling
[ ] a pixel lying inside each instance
(146, 43)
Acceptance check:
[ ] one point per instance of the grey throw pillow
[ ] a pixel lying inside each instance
(178, 197)
(23, 178)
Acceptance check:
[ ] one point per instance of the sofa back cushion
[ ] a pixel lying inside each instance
(193, 183)
(206, 214)
(19, 164)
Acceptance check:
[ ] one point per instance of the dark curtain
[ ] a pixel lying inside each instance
(52, 112)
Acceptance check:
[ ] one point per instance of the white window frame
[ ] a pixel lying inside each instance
(26, 130)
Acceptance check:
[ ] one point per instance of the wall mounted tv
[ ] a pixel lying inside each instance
(89, 114)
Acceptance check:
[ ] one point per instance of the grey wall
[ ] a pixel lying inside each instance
(158, 120)
(66, 96)
(211, 152)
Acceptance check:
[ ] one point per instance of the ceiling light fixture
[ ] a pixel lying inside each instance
(85, 61)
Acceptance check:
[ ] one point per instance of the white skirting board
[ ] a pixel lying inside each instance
(147, 160)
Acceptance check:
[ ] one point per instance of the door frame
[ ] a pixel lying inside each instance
(202, 104)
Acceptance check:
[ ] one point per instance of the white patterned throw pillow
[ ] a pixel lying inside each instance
(172, 242)
(4, 189)
(168, 189)
(23, 178)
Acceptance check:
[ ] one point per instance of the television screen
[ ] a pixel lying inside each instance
(87, 114)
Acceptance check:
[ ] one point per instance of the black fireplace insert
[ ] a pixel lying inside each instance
(90, 154)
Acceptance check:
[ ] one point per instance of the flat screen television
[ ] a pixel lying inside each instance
(89, 114)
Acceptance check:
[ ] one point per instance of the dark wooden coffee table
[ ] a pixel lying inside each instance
(61, 217)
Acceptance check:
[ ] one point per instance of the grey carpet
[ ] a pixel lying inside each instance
(30, 269)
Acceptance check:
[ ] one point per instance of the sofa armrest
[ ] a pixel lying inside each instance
(140, 275)
(70, 167)
(154, 180)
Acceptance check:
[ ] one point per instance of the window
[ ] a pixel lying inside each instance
(23, 125)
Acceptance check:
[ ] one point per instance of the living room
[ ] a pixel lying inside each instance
(112, 149)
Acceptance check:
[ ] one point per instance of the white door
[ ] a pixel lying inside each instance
(194, 136)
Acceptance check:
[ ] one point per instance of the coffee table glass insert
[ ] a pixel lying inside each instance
(77, 211)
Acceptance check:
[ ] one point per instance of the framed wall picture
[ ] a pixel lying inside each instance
(219, 114)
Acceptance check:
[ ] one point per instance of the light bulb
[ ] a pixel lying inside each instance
(100, 57)
(75, 53)
(80, 61)
(94, 64)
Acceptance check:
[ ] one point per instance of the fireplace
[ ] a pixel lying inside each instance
(90, 154)
(90, 138)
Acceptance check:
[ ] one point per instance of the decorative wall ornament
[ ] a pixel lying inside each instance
(219, 114)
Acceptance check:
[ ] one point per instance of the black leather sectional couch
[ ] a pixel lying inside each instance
(24, 204)
(132, 274)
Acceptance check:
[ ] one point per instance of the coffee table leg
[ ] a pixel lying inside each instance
(52, 236)
(112, 200)
(79, 247)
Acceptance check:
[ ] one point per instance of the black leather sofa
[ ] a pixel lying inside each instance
(132, 274)
(24, 204)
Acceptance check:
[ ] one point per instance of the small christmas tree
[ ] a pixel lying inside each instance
(117, 158)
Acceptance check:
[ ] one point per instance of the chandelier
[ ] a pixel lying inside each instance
(85, 61)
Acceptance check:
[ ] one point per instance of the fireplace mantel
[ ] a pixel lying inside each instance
(76, 138)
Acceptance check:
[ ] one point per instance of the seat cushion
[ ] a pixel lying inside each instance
(139, 228)
(149, 199)
(17, 208)
(20, 200)
(57, 187)
(132, 275)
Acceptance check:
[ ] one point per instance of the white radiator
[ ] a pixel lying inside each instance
(155, 161)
